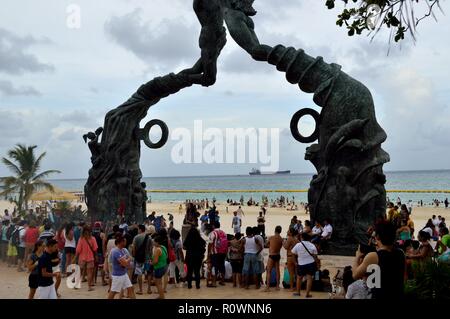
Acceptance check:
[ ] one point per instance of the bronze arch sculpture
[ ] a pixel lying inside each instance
(349, 185)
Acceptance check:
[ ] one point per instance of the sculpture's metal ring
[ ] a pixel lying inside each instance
(294, 125)
(145, 135)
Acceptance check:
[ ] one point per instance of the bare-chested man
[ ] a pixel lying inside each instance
(275, 244)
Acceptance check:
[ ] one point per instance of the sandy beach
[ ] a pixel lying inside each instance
(15, 285)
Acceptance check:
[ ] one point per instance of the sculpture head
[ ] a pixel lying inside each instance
(91, 136)
(245, 6)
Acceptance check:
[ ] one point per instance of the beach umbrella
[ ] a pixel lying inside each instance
(57, 194)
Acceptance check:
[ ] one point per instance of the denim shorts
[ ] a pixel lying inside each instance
(160, 272)
(252, 265)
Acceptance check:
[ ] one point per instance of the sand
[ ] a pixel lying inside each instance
(14, 285)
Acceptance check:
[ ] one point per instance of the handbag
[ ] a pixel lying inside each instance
(316, 259)
(93, 252)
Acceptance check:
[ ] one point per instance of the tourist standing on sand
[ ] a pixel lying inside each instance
(46, 286)
(159, 261)
(305, 253)
(218, 249)
(32, 265)
(236, 258)
(4, 240)
(47, 233)
(236, 223)
(194, 245)
(177, 246)
(141, 245)
(87, 253)
(100, 238)
(6, 216)
(289, 244)
(275, 244)
(21, 248)
(31, 237)
(446, 203)
(120, 261)
(252, 265)
(261, 225)
(260, 239)
(391, 261)
(69, 245)
(240, 212)
(12, 233)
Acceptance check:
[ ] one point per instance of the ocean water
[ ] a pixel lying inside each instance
(407, 180)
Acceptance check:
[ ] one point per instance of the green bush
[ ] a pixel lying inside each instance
(431, 281)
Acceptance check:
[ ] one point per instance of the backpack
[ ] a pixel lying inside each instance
(15, 237)
(9, 232)
(221, 242)
(140, 252)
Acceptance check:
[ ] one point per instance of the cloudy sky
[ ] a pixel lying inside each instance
(56, 83)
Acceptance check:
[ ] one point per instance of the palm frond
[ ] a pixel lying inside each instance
(46, 174)
(13, 167)
(37, 162)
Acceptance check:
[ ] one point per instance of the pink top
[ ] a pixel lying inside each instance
(84, 252)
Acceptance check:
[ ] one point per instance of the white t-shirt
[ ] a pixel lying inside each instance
(22, 232)
(327, 230)
(250, 245)
(303, 257)
(358, 290)
(436, 222)
(240, 212)
(429, 231)
(69, 243)
(316, 230)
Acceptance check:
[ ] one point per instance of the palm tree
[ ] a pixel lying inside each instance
(27, 179)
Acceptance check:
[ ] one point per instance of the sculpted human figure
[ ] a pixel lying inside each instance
(211, 15)
(212, 40)
(237, 14)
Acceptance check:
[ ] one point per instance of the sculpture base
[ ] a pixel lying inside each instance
(339, 249)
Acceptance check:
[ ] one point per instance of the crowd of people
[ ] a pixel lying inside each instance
(128, 256)
(394, 247)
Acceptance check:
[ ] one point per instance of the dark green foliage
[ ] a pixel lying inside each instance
(431, 281)
(398, 16)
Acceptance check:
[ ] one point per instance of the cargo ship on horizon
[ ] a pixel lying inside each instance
(258, 172)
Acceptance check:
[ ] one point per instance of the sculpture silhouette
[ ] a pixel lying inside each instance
(349, 185)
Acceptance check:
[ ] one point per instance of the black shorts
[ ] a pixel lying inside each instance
(275, 258)
(237, 265)
(33, 281)
(309, 269)
(69, 250)
(21, 253)
(218, 262)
